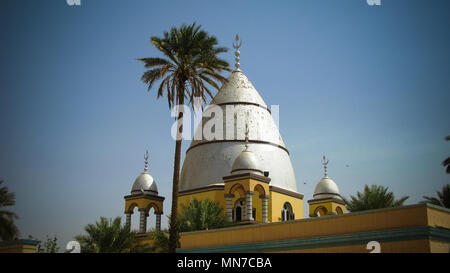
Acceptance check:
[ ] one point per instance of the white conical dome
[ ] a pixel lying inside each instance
(208, 161)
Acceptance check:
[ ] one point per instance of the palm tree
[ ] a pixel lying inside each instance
(109, 236)
(202, 215)
(446, 162)
(443, 199)
(191, 67)
(160, 240)
(50, 246)
(8, 230)
(373, 197)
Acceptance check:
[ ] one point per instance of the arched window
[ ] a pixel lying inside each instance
(339, 210)
(321, 211)
(238, 211)
(286, 213)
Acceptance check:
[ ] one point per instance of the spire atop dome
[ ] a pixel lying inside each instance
(325, 163)
(237, 53)
(146, 161)
(326, 186)
(144, 183)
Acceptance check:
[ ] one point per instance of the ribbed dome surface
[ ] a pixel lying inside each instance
(246, 162)
(326, 188)
(208, 161)
(144, 182)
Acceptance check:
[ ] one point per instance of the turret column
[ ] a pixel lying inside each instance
(158, 221)
(249, 205)
(264, 199)
(229, 206)
(143, 221)
(128, 219)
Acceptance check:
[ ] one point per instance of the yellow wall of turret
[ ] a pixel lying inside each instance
(275, 203)
(330, 206)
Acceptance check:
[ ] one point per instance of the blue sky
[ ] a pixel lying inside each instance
(366, 85)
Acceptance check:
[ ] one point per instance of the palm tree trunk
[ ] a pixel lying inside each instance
(173, 229)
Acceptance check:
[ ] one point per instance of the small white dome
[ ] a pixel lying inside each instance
(144, 183)
(246, 162)
(326, 188)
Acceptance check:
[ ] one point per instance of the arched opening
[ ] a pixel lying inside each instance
(339, 210)
(238, 214)
(321, 211)
(260, 203)
(259, 189)
(287, 213)
(134, 210)
(237, 188)
(238, 210)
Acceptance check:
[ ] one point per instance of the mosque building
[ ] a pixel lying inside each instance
(251, 177)
(249, 173)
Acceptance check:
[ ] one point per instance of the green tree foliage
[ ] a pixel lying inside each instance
(189, 70)
(8, 229)
(49, 246)
(109, 236)
(202, 215)
(443, 197)
(373, 197)
(160, 240)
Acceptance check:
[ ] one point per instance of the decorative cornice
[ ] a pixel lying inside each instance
(244, 103)
(136, 192)
(287, 192)
(20, 242)
(252, 170)
(145, 196)
(240, 141)
(321, 200)
(202, 189)
(235, 177)
(337, 194)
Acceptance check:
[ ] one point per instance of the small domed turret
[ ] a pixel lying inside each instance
(144, 183)
(246, 162)
(326, 188)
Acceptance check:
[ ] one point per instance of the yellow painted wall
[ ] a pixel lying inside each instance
(438, 217)
(337, 205)
(218, 195)
(403, 217)
(143, 203)
(276, 203)
(213, 195)
(439, 247)
(18, 248)
(330, 206)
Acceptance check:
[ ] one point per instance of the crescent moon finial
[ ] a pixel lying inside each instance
(146, 161)
(325, 163)
(237, 44)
